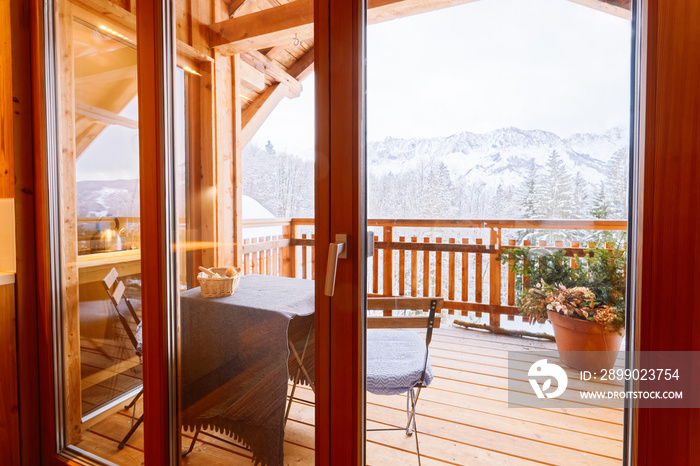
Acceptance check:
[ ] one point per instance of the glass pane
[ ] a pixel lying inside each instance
(100, 375)
(245, 153)
(498, 148)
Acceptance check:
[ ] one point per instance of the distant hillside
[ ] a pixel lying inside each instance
(113, 198)
(505, 173)
(498, 157)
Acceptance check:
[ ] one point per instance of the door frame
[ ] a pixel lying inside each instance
(339, 208)
(339, 45)
(664, 29)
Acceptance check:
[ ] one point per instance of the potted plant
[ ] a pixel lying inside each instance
(583, 299)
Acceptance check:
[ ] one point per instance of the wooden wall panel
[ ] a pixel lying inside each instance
(9, 401)
(28, 380)
(9, 404)
(668, 307)
(7, 174)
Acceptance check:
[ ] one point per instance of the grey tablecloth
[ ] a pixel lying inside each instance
(236, 360)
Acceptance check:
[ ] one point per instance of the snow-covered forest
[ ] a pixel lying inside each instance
(505, 174)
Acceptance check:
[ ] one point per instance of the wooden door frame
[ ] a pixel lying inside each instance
(339, 430)
(667, 214)
(155, 24)
(340, 208)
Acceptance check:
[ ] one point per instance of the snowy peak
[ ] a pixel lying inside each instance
(498, 154)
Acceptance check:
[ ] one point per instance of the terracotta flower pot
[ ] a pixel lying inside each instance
(584, 345)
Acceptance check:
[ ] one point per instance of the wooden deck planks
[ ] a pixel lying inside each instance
(463, 418)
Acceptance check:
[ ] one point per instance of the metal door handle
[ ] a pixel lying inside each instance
(337, 250)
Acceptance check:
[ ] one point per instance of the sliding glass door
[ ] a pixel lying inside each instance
(208, 244)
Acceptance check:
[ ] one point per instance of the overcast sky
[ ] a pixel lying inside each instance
(534, 64)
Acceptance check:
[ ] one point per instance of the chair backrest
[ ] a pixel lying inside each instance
(403, 303)
(115, 290)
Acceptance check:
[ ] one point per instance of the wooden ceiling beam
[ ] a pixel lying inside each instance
(274, 71)
(252, 77)
(265, 28)
(303, 67)
(619, 8)
(105, 116)
(125, 72)
(234, 6)
(257, 112)
(379, 11)
(279, 25)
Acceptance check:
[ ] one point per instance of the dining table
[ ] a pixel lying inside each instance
(238, 354)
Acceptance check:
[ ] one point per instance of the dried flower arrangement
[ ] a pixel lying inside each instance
(577, 302)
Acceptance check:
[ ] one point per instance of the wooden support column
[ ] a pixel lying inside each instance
(69, 232)
(228, 160)
(203, 195)
(237, 163)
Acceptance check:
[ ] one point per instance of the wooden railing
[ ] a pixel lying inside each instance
(453, 259)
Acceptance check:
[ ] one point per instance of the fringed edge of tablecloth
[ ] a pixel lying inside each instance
(301, 380)
(228, 431)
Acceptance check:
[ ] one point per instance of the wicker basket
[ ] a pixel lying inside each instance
(218, 287)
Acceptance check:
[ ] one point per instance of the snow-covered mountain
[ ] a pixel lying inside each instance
(498, 157)
(495, 161)
(108, 198)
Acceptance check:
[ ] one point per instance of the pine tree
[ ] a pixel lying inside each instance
(600, 207)
(529, 191)
(616, 181)
(269, 148)
(557, 189)
(579, 197)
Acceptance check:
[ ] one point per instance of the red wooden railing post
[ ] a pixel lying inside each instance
(465, 273)
(438, 270)
(285, 256)
(293, 249)
(511, 278)
(388, 263)
(402, 268)
(495, 276)
(414, 268)
(304, 260)
(388, 266)
(451, 277)
(426, 270)
(478, 277)
(375, 268)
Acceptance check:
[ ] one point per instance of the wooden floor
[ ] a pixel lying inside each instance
(463, 419)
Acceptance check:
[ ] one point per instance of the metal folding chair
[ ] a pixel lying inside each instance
(115, 290)
(398, 361)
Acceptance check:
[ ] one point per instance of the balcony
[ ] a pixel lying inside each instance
(464, 416)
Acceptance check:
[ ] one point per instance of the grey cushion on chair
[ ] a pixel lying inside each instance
(395, 360)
